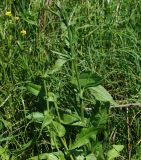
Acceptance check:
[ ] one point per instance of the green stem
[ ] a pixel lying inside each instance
(81, 105)
(66, 147)
(56, 107)
(75, 71)
(46, 95)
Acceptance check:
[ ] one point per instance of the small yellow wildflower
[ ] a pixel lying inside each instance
(17, 18)
(23, 32)
(8, 14)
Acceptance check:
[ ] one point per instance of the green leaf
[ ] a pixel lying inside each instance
(80, 157)
(80, 123)
(52, 97)
(70, 119)
(29, 21)
(27, 145)
(52, 157)
(114, 152)
(2, 139)
(41, 156)
(59, 155)
(87, 79)
(91, 157)
(59, 128)
(74, 120)
(98, 150)
(2, 150)
(102, 94)
(46, 122)
(6, 123)
(4, 153)
(102, 117)
(55, 141)
(58, 65)
(49, 156)
(33, 88)
(83, 137)
(47, 119)
(36, 117)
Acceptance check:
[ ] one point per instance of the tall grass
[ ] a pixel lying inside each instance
(67, 42)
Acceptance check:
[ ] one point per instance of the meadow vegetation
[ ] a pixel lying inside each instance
(65, 66)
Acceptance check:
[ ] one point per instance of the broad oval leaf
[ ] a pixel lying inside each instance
(52, 157)
(59, 128)
(59, 155)
(80, 157)
(91, 157)
(101, 94)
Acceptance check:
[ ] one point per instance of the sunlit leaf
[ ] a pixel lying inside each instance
(83, 137)
(101, 94)
(2, 150)
(59, 128)
(49, 156)
(70, 118)
(58, 65)
(51, 97)
(91, 157)
(74, 120)
(33, 88)
(114, 152)
(59, 155)
(47, 119)
(40, 156)
(80, 157)
(4, 153)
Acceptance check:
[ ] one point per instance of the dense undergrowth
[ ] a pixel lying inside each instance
(59, 60)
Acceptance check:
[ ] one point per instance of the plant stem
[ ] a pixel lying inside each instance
(75, 69)
(46, 95)
(66, 147)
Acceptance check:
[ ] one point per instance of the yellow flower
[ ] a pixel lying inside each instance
(8, 14)
(23, 32)
(17, 18)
